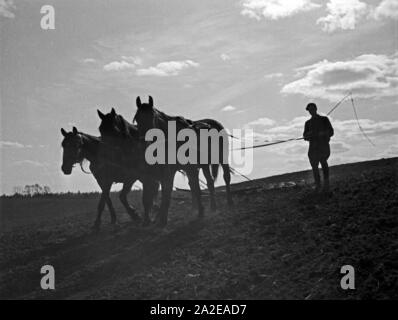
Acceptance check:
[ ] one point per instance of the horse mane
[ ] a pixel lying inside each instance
(90, 143)
(127, 129)
(89, 136)
(184, 122)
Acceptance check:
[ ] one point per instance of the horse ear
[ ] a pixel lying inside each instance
(100, 114)
(64, 133)
(150, 102)
(138, 102)
(113, 112)
(75, 130)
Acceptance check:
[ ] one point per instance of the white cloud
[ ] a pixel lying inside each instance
(340, 147)
(225, 57)
(31, 163)
(287, 129)
(386, 9)
(13, 145)
(273, 75)
(168, 68)
(371, 127)
(127, 63)
(275, 9)
(367, 76)
(228, 108)
(5, 8)
(293, 148)
(393, 150)
(89, 60)
(131, 59)
(118, 66)
(265, 122)
(343, 14)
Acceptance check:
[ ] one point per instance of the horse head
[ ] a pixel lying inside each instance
(72, 150)
(108, 126)
(145, 116)
(113, 126)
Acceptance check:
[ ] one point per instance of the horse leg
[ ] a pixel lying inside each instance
(167, 187)
(150, 190)
(123, 199)
(101, 204)
(193, 196)
(210, 186)
(227, 179)
(111, 209)
(193, 175)
(100, 209)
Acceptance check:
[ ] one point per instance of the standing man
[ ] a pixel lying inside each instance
(318, 131)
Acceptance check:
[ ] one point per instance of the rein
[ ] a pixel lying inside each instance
(80, 155)
(301, 138)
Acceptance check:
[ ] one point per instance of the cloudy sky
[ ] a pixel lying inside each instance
(248, 63)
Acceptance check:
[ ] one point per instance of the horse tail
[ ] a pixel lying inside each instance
(214, 171)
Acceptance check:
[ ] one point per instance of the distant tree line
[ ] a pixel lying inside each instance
(36, 190)
(31, 190)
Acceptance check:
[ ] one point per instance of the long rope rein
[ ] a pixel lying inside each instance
(339, 103)
(302, 138)
(235, 171)
(359, 125)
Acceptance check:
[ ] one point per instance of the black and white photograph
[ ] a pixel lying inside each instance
(213, 151)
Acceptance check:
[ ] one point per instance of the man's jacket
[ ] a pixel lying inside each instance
(318, 131)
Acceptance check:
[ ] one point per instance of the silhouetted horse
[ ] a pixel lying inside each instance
(119, 132)
(78, 146)
(148, 118)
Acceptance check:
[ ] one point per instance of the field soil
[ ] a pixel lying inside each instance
(280, 240)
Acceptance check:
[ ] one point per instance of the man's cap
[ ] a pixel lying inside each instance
(311, 106)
